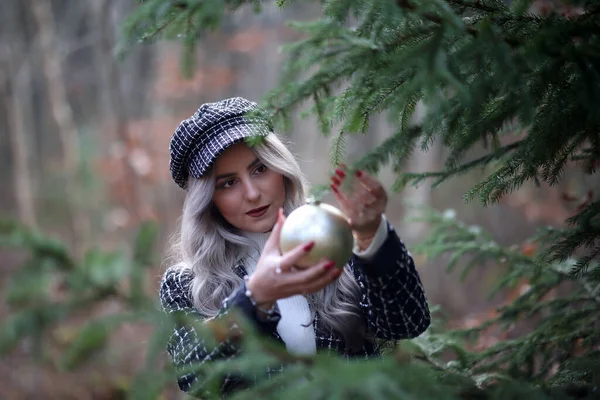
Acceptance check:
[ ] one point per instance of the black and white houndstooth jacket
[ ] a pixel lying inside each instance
(393, 303)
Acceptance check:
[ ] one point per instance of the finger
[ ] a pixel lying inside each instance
(311, 274)
(323, 280)
(319, 280)
(273, 240)
(351, 205)
(290, 258)
(370, 183)
(342, 199)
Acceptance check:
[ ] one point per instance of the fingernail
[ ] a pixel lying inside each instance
(359, 173)
(309, 246)
(340, 173)
(329, 265)
(335, 180)
(334, 188)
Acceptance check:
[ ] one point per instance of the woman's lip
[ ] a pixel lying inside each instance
(257, 212)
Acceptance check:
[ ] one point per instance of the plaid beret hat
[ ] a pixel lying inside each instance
(200, 139)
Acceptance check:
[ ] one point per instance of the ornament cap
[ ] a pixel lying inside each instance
(313, 201)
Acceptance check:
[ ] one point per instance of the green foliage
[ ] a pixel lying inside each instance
(525, 86)
(182, 20)
(91, 338)
(561, 305)
(51, 288)
(565, 335)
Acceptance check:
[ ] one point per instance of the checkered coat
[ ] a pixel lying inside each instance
(392, 300)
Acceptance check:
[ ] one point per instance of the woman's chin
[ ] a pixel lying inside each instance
(261, 226)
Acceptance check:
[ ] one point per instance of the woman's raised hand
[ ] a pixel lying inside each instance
(275, 276)
(363, 200)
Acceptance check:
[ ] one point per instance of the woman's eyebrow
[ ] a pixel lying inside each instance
(253, 163)
(230, 174)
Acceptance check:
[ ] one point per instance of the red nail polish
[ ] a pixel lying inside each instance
(340, 173)
(329, 265)
(309, 246)
(334, 188)
(335, 180)
(359, 173)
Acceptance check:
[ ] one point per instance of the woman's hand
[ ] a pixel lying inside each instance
(275, 278)
(363, 200)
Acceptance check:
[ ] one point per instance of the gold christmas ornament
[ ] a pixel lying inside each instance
(324, 224)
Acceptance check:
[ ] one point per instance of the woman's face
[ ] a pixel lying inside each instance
(247, 193)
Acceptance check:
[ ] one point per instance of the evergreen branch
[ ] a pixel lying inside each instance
(448, 235)
(338, 149)
(478, 5)
(440, 365)
(160, 29)
(436, 19)
(444, 175)
(409, 109)
(400, 144)
(584, 234)
(386, 94)
(480, 365)
(406, 37)
(280, 101)
(594, 294)
(474, 32)
(320, 108)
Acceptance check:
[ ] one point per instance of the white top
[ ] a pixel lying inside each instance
(294, 310)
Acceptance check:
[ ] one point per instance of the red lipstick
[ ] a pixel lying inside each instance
(258, 212)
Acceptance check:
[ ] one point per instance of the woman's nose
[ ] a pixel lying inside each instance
(252, 192)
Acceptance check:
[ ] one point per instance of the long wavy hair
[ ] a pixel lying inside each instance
(210, 247)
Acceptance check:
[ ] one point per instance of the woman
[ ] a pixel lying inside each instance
(229, 256)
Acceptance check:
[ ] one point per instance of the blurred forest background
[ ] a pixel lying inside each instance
(84, 158)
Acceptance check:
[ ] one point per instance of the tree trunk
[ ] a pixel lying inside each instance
(62, 113)
(420, 196)
(113, 101)
(18, 138)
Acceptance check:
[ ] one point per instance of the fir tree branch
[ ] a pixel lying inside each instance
(443, 175)
(159, 30)
(439, 21)
(338, 149)
(412, 35)
(478, 5)
(401, 143)
(380, 101)
(436, 19)
(594, 294)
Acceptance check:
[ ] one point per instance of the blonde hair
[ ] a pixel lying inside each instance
(210, 247)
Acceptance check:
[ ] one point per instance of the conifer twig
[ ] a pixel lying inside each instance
(442, 175)
(475, 4)
(431, 17)
(436, 19)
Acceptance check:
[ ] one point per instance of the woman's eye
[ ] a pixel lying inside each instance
(228, 183)
(260, 169)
